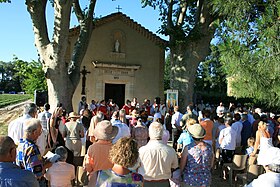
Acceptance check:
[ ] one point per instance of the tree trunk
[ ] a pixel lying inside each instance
(185, 59)
(62, 76)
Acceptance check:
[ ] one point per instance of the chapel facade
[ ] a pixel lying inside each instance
(124, 59)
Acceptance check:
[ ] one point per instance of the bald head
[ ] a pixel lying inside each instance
(7, 149)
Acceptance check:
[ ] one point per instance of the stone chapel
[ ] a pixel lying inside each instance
(123, 60)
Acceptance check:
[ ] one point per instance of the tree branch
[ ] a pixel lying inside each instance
(198, 12)
(182, 14)
(169, 15)
(62, 12)
(80, 47)
(78, 11)
(91, 9)
(37, 11)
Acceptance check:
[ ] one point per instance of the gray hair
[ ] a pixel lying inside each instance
(156, 131)
(30, 108)
(31, 125)
(62, 152)
(6, 143)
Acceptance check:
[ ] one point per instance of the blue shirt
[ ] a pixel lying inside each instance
(29, 157)
(185, 139)
(12, 176)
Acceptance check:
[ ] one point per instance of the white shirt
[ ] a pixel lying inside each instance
(176, 118)
(220, 109)
(15, 131)
(228, 137)
(156, 160)
(237, 126)
(60, 174)
(269, 179)
(15, 128)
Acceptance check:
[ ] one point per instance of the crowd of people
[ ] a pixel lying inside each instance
(128, 146)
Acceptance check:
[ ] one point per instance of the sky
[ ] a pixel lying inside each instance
(16, 34)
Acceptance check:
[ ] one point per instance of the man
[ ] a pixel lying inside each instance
(220, 109)
(15, 128)
(208, 125)
(237, 126)
(28, 154)
(246, 130)
(271, 177)
(156, 159)
(11, 174)
(227, 141)
(127, 107)
(45, 116)
(189, 114)
(176, 128)
(82, 104)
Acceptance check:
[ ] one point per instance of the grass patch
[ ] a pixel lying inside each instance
(9, 99)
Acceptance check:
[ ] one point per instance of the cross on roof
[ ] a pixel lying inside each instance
(118, 8)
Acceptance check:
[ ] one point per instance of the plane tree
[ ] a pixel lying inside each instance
(190, 26)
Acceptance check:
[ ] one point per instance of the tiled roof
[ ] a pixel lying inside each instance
(127, 20)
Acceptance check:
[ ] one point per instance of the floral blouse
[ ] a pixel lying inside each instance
(197, 170)
(108, 178)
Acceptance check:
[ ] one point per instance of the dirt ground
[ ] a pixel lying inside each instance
(10, 113)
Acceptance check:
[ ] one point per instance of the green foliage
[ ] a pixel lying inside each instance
(8, 99)
(5, 1)
(32, 75)
(9, 81)
(250, 50)
(210, 74)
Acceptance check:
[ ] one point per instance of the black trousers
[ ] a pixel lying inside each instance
(175, 136)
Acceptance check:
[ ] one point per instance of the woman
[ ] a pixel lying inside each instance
(263, 142)
(124, 154)
(55, 137)
(97, 157)
(73, 131)
(197, 159)
(93, 123)
(140, 133)
(61, 173)
(86, 119)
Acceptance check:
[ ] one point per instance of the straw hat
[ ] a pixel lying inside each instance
(197, 131)
(105, 131)
(73, 115)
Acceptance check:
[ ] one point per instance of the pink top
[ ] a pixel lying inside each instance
(60, 174)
